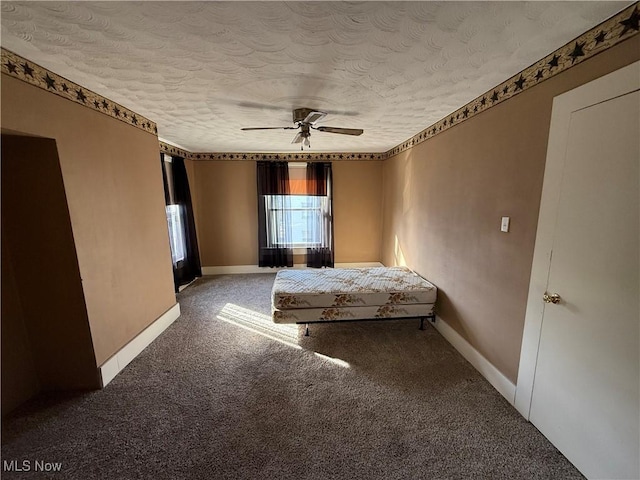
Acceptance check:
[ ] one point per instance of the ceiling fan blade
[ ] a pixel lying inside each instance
(297, 138)
(313, 117)
(268, 128)
(343, 131)
(261, 106)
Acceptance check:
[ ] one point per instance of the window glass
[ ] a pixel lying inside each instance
(176, 233)
(305, 215)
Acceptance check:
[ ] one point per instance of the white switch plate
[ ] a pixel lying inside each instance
(504, 227)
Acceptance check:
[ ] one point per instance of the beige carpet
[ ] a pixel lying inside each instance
(226, 394)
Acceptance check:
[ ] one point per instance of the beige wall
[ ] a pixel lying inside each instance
(113, 184)
(45, 329)
(225, 207)
(357, 211)
(444, 198)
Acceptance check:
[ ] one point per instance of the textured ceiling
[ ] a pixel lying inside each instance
(203, 70)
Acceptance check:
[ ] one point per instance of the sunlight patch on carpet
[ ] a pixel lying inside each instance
(260, 323)
(335, 361)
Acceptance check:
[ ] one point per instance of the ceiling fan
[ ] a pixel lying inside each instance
(304, 119)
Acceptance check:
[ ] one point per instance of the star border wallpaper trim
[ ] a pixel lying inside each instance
(258, 156)
(600, 38)
(603, 36)
(18, 67)
(618, 28)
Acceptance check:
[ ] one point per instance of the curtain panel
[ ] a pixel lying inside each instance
(319, 183)
(165, 180)
(274, 223)
(186, 266)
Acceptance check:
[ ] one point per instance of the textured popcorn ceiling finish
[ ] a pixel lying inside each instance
(203, 70)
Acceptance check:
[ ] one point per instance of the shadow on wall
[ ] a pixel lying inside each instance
(447, 311)
(406, 190)
(444, 308)
(46, 340)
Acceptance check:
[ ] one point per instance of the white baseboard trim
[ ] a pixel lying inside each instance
(501, 383)
(233, 269)
(131, 350)
(182, 287)
(359, 265)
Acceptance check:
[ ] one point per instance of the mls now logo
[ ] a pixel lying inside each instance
(28, 465)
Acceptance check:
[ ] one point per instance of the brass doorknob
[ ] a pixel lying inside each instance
(551, 298)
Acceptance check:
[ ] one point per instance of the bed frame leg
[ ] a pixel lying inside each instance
(306, 329)
(431, 317)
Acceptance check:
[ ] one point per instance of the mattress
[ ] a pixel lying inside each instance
(305, 315)
(305, 296)
(350, 287)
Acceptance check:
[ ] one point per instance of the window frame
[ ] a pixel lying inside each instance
(318, 211)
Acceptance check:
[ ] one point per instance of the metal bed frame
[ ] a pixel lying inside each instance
(431, 317)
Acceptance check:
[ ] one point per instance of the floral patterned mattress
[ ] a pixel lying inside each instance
(303, 315)
(350, 294)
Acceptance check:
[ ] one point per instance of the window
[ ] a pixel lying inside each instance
(180, 223)
(174, 213)
(176, 233)
(294, 213)
(304, 213)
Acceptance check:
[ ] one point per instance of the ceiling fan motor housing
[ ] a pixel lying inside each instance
(301, 114)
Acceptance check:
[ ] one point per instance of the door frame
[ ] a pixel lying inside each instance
(620, 82)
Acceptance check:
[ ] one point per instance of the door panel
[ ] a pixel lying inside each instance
(586, 388)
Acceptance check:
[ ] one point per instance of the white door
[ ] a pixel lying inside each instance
(585, 394)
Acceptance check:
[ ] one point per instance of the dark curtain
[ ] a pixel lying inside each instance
(177, 193)
(165, 181)
(319, 183)
(274, 228)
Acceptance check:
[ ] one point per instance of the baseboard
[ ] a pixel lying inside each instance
(182, 287)
(501, 383)
(359, 265)
(233, 269)
(131, 350)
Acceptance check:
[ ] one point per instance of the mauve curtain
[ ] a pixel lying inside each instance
(274, 224)
(188, 269)
(319, 183)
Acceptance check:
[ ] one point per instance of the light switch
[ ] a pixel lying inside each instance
(504, 227)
